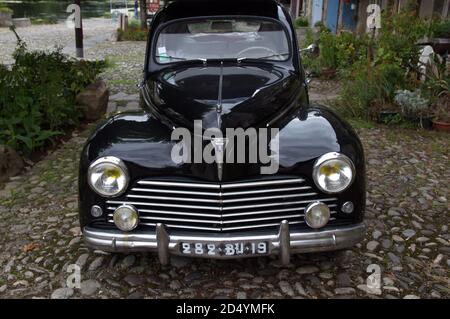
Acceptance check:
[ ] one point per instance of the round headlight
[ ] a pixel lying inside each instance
(333, 173)
(108, 176)
(317, 215)
(126, 218)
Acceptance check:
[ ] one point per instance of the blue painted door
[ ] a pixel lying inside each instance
(350, 14)
(332, 15)
(316, 11)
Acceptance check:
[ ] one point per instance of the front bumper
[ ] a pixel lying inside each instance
(283, 243)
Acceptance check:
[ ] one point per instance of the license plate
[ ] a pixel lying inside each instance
(224, 249)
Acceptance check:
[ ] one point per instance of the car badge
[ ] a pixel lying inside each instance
(219, 145)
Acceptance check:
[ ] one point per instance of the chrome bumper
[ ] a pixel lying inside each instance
(283, 243)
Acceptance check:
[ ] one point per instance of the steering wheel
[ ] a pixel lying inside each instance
(270, 51)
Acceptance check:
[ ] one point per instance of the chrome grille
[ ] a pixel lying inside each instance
(221, 207)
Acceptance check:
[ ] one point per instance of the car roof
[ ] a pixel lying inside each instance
(179, 9)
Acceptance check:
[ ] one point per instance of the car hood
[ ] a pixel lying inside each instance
(221, 96)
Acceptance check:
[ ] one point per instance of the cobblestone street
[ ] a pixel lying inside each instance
(407, 222)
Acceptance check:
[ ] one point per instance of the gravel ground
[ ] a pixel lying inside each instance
(47, 37)
(407, 236)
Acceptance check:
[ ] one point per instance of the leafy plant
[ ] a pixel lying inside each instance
(37, 96)
(412, 103)
(131, 35)
(374, 69)
(441, 29)
(437, 84)
(44, 20)
(5, 9)
(337, 52)
(133, 32)
(301, 22)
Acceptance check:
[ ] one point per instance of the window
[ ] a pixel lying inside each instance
(217, 39)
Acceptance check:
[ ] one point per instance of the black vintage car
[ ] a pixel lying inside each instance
(214, 66)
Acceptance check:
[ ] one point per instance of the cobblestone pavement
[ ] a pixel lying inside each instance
(407, 220)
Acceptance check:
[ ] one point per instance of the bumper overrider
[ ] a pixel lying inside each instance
(283, 243)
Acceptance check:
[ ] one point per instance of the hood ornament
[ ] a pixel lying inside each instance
(219, 145)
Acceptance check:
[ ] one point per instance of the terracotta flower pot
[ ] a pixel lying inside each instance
(441, 126)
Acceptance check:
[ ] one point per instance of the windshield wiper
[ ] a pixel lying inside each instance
(262, 57)
(204, 61)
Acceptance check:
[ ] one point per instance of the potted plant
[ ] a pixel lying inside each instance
(437, 89)
(441, 120)
(414, 108)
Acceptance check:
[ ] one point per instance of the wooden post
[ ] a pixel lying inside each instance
(143, 8)
(121, 21)
(79, 33)
(125, 23)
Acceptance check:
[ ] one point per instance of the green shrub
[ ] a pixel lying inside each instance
(301, 22)
(134, 24)
(336, 52)
(37, 97)
(5, 9)
(46, 20)
(379, 67)
(133, 33)
(441, 29)
(327, 47)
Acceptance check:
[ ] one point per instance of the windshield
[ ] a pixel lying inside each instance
(230, 38)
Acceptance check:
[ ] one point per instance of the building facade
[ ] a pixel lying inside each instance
(351, 15)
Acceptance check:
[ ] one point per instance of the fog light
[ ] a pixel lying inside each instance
(96, 211)
(126, 218)
(348, 207)
(317, 215)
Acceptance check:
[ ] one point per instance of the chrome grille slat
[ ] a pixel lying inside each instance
(170, 219)
(259, 226)
(214, 201)
(262, 191)
(249, 220)
(262, 212)
(238, 200)
(257, 212)
(222, 207)
(178, 184)
(263, 183)
(165, 205)
(178, 192)
(218, 221)
(165, 212)
(267, 205)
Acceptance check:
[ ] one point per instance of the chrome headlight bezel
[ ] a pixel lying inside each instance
(324, 159)
(116, 163)
(130, 209)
